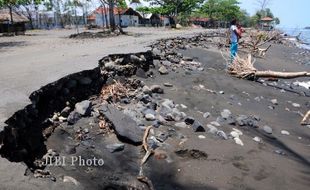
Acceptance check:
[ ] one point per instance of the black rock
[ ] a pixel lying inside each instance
(156, 123)
(157, 89)
(197, 127)
(124, 126)
(162, 137)
(73, 117)
(189, 120)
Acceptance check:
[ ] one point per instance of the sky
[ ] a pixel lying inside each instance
(292, 13)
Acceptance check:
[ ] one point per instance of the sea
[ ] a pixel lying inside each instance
(304, 35)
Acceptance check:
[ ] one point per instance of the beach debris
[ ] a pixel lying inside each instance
(235, 134)
(306, 119)
(243, 68)
(71, 180)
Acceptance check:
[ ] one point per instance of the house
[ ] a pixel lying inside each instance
(204, 22)
(127, 17)
(18, 24)
(266, 23)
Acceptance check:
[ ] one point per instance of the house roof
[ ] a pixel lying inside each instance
(100, 10)
(200, 19)
(267, 19)
(5, 16)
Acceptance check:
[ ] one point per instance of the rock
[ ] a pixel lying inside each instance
(157, 89)
(197, 127)
(163, 70)
(156, 123)
(162, 137)
(206, 115)
(73, 117)
(281, 152)
(242, 120)
(124, 126)
(115, 147)
(183, 106)
(85, 81)
(141, 73)
(267, 129)
(238, 141)
(70, 149)
(166, 63)
(71, 84)
(212, 129)
(148, 111)
(274, 101)
(215, 123)
(65, 112)
(187, 58)
(168, 84)
(71, 179)
(181, 124)
(283, 132)
(234, 134)
(257, 139)
(156, 62)
(201, 136)
(222, 134)
(83, 108)
(150, 117)
(296, 105)
(226, 114)
(189, 120)
(221, 92)
(271, 107)
(257, 99)
(146, 90)
(178, 26)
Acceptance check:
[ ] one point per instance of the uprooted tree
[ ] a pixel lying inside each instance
(244, 68)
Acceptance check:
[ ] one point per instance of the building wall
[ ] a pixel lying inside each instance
(126, 20)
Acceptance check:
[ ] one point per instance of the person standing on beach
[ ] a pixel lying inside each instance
(234, 38)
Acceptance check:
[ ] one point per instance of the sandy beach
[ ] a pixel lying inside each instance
(280, 160)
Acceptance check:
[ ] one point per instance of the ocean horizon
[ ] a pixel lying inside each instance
(304, 35)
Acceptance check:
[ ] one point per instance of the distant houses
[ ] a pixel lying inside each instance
(12, 22)
(123, 17)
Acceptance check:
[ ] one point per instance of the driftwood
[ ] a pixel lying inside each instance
(306, 119)
(243, 68)
(148, 153)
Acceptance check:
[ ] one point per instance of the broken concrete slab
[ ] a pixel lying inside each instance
(125, 127)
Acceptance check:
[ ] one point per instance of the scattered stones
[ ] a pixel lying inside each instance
(222, 134)
(73, 117)
(226, 114)
(163, 70)
(181, 125)
(267, 129)
(146, 90)
(65, 112)
(274, 101)
(206, 115)
(168, 84)
(212, 129)
(189, 120)
(296, 105)
(257, 139)
(83, 108)
(150, 117)
(197, 127)
(115, 147)
(283, 132)
(215, 123)
(201, 136)
(280, 152)
(157, 89)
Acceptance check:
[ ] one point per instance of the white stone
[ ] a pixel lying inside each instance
(201, 137)
(283, 132)
(257, 139)
(238, 141)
